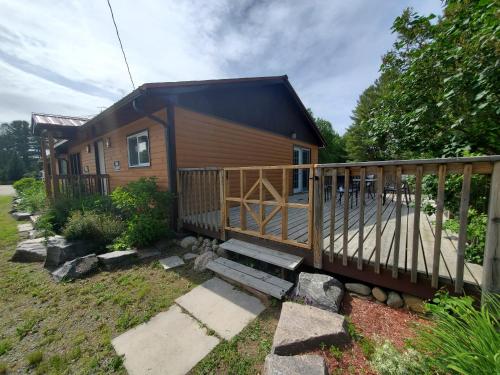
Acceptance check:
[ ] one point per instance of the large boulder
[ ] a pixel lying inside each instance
(201, 261)
(361, 289)
(19, 216)
(76, 268)
(24, 230)
(394, 300)
(117, 259)
(414, 304)
(379, 294)
(302, 328)
(188, 242)
(295, 365)
(319, 290)
(30, 251)
(60, 250)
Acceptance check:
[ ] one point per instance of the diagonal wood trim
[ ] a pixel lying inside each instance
(271, 215)
(272, 190)
(254, 186)
(254, 215)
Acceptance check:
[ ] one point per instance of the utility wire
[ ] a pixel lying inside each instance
(121, 45)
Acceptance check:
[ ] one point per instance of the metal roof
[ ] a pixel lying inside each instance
(47, 119)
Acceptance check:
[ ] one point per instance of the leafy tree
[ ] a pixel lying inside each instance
(334, 151)
(19, 150)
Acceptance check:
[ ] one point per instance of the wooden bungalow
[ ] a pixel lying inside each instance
(241, 156)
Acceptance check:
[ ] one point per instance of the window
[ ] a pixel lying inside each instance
(138, 149)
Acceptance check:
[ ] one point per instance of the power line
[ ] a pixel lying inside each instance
(121, 45)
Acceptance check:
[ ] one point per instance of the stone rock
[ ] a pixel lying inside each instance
(360, 296)
(201, 261)
(189, 256)
(358, 288)
(295, 365)
(147, 253)
(30, 251)
(21, 215)
(303, 328)
(171, 262)
(413, 303)
(34, 219)
(76, 268)
(221, 252)
(320, 290)
(116, 259)
(194, 249)
(24, 230)
(214, 242)
(34, 234)
(188, 242)
(379, 294)
(394, 300)
(60, 250)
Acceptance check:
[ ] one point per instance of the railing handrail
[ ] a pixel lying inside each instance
(68, 176)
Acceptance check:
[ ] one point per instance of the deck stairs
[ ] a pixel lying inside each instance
(253, 278)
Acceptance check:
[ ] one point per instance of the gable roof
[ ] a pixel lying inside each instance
(65, 125)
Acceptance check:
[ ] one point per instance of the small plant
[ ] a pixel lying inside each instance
(101, 229)
(335, 352)
(367, 346)
(387, 360)
(115, 363)
(26, 327)
(32, 194)
(34, 358)
(322, 346)
(462, 339)
(5, 346)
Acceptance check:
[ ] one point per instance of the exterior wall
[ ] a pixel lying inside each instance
(206, 141)
(118, 152)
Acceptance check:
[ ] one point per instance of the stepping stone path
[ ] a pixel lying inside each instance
(319, 290)
(189, 256)
(19, 216)
(171, 262)
(172, 342)
(295, 365)
(30, 251)
(302, 328)
(76, 268)
(24, 230)
(221, 307)
(117, 259)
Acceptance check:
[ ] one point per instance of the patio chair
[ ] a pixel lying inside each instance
(390, 188)
(353, 192)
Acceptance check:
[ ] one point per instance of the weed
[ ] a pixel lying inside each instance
(26, 327)
(115, 363)
(34, 358)
(367, 346)
(335, 352)
(322, 346)
(5, 346)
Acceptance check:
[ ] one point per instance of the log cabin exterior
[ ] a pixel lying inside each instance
(241, 156)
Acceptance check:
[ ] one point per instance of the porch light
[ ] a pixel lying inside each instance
(108, 142)
(88, 148)
(293, 135)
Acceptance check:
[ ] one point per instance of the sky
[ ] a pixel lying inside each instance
(63, 56)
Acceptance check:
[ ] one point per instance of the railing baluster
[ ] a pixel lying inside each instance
(262, 212)
(462, 234)
(318, 218)
(333, 205)
(243, 213)
(397, 230)
(416, 224)
(439, 225)
(361, 237)
(284, 207)
(378, 228)
(310, 196)
(345, 232)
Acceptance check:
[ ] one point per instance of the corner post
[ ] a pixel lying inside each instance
(491, 264)
(318, 218)
(172, 158)
(43, 151)
(53, 172)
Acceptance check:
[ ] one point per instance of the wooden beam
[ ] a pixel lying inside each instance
(53, 170)
(491, 263)
(462, 232)
(318, 219)
(46, 178)
(439, 225)
(416, 224)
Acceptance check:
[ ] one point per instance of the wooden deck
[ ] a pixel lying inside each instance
(298, 231)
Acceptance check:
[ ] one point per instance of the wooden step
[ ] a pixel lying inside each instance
(261, 281)
(264, 254)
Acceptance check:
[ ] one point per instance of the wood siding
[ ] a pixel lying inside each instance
(118, 152)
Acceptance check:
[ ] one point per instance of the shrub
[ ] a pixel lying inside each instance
(146, 210)
(462, 339)
(387, 360)
(101, 229)
(32, 194)
(476, 234)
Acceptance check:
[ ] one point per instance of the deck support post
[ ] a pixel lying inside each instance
(46, 176)
(318, 218)
(491, 264)
(53, 171)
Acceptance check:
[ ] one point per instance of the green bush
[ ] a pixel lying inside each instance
(101, 229)
(387, 360)
(461, 339)
(146, 210)
(476, 234)
(32, 194)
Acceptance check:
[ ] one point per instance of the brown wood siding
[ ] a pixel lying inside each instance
(118, 151)
(206, 141)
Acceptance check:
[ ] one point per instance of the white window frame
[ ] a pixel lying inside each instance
(137, 135)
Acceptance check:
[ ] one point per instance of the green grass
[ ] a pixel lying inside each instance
(72, 324)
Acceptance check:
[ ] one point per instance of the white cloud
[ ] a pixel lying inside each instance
(63, 56)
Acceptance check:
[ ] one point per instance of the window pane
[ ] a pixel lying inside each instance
(143, 147)
(132, 152)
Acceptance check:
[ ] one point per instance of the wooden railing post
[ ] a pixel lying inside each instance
(361, 235)
(243, 213)
(284, 207)
(439, 225)
(462, 232)
(345, 228)
(317, 234)
(333, 205)
(491, 263)
(416, 224)
(223, 212)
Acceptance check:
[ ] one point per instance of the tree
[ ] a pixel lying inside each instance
(19, 150)
(334, 151)
(438, 94)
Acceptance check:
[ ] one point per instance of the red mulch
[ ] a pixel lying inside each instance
(372, 320)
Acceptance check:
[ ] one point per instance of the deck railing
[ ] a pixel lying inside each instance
(80, 185)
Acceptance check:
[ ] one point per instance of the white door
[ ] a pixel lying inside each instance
(102, 165)
(301, 155)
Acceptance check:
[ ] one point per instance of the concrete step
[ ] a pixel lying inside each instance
(250, 277)
(264, 254)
